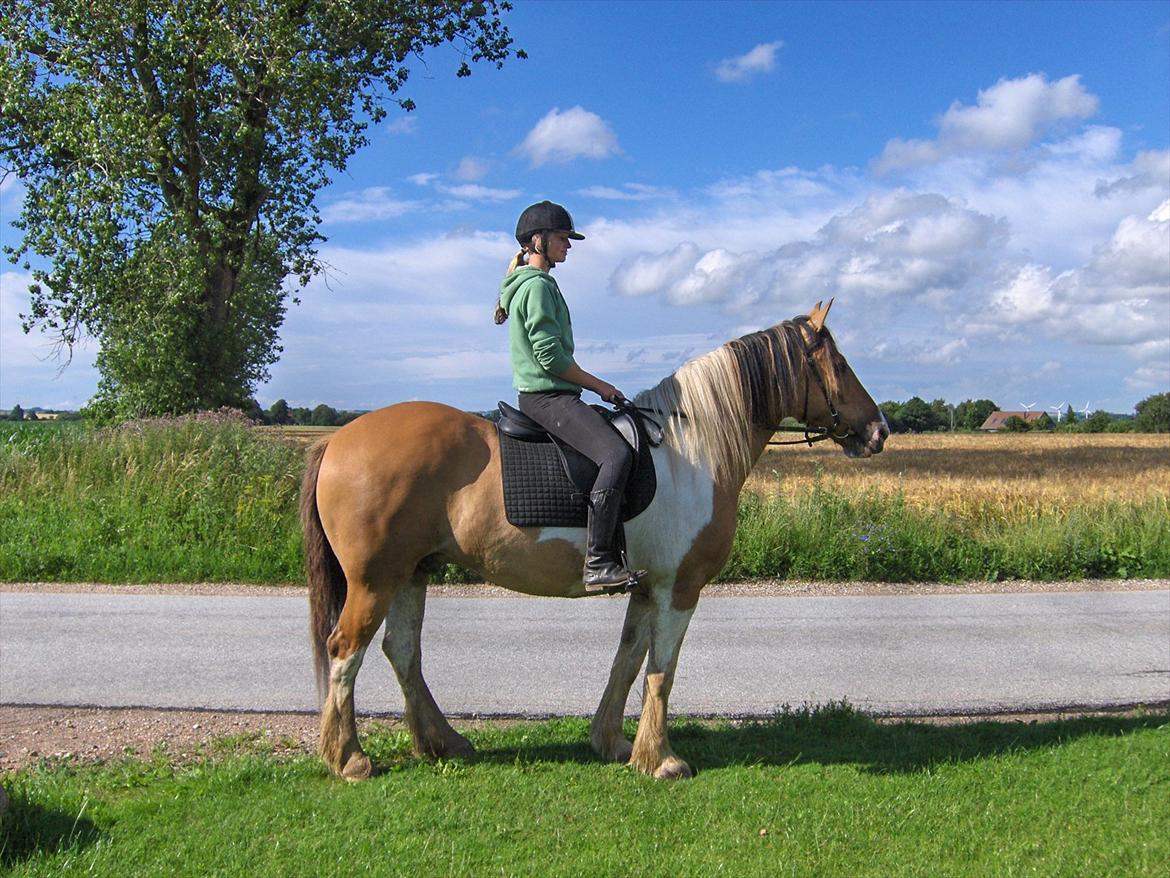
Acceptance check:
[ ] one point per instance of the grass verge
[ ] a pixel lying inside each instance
(210, 498)
(827, 791)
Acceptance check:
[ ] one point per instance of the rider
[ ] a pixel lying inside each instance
(550, 381)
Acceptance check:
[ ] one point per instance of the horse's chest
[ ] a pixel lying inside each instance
(683, 506)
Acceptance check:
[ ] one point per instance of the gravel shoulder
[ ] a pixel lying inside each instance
(757, 587)
(31, 734)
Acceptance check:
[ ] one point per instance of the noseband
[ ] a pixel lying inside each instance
(813, 434)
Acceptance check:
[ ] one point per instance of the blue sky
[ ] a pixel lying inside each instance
(982, 186)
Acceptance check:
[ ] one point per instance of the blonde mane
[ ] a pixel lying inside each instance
(712, 404)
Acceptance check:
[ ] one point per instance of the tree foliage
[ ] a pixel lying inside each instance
(170, 155)
(1153, 414)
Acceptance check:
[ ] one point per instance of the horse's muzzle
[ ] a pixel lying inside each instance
(868, 443)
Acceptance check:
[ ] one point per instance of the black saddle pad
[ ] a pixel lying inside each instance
(539, 493)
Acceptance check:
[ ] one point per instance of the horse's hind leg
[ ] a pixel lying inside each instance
(402, 644)
(339, 746)
(605, 732)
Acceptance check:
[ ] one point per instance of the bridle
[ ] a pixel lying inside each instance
(812, 434)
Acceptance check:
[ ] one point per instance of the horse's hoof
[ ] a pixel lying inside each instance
(459, 748)
(357, 768)
(673, 768)
(618, 751)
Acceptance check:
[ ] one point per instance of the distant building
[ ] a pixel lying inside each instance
(997, 420)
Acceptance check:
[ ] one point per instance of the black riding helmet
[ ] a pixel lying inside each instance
(545, 216)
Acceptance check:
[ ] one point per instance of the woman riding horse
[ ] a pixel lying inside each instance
(398, 491)
(550, 381)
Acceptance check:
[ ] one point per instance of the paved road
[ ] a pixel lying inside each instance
(743, 655)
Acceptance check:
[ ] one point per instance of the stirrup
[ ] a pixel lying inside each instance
(632, 583)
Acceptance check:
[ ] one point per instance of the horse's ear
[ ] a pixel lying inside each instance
(816, 317)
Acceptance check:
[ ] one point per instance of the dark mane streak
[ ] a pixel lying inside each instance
(748, 382)
(770, 363)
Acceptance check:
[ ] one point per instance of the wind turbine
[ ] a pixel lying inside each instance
(1085, 410)
(1027, 406)
(1058, 410)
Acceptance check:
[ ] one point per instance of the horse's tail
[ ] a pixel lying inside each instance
(326, 580)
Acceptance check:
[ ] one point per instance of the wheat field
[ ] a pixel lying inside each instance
(980, 475)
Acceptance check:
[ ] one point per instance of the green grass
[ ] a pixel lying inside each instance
(823, 792)
(212, 499)
(821, 535)
(175, 500)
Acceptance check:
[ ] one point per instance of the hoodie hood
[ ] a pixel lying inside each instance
(512, 283)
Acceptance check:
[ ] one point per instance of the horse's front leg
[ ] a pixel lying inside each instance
(402, 643)
(651, 752)
(605, 733)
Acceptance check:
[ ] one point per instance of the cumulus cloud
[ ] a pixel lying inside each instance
(563, 136)
(1010, 115)
(1150, 170)
(1120, 297)
(761, 59)
(892, 245)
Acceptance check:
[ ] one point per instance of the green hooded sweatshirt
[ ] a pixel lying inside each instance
(540, 331)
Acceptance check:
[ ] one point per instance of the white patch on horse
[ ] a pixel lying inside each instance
(343, 672)
(684, 504)
(573, 535)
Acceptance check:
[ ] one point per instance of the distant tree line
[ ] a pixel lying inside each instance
(916, 415)
(280, 413)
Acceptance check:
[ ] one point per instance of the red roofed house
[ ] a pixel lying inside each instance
(997, 420)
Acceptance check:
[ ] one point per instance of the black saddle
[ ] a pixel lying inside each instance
(547, 482)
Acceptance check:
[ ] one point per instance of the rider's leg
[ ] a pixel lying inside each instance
(574, 422)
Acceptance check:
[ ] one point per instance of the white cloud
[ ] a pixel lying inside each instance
(374, 203)
(1150, 170)
(761, 59)
(475, 192)
(895, 244)
(627, 192)
(561, 137)
(403, 125)
(423, 179)
(471, 169)
(1120, 297)
(31, 372)
(1010, 115)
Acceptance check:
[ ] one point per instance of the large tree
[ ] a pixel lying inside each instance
(170, 154)
(1153, 414)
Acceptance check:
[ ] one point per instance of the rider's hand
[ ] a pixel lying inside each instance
(609, 393)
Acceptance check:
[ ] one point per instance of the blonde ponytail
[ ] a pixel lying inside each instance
(517, 260)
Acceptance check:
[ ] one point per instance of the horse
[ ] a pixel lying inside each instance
(396, 492)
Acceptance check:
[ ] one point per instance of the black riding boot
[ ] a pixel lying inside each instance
(603, 559)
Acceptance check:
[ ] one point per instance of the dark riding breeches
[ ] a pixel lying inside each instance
(574, 422)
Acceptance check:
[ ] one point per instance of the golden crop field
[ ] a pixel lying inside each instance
(1005, 475)
(970, 474)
